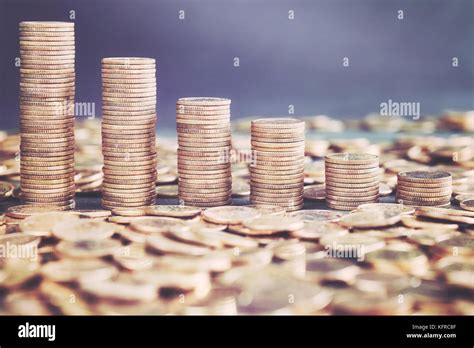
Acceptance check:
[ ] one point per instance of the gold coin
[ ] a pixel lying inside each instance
(86, 249)
(23, 211)
(274, 224)
(202, 101)
(467, 204)
(351, 158)
(270, 124)
(173, 211)
(370, 219)
(412, 222)
(399, 208)
(82, 230)
(92, 213)
(425, 176)
(316, 229)
(6, 189)
(230, 215)
(71, 270)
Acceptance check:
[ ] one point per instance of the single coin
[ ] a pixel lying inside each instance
(167, 191)
(314, 230)
(158, 224)
(92, 213)
(83, 229)
(391, 207)
(352, 158)
(311, 215)
(230, 215)
(424, 176)
(165, 245)
(69, 270)
(463, 197)
(467, 204)
(88, 248)
(202, 101)
(370, 219)
(268, 124)
(413, 222)
(23, 211)
(181, 211)
(274, 224)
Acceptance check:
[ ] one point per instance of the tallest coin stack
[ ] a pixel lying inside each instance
(47, 88)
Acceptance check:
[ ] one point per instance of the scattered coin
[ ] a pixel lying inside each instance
(173, 211)
(467, 204)
(370, 219)
(230, 215)
(274, 224)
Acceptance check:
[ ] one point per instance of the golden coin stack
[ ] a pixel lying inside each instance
(351, 180)
(128, 132)
(277, 171)
(47, 88)
(204, 144)
(424, 188)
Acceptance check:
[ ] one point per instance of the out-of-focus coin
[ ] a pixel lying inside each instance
(42, 224)
(314, 230)
(267, 224)
(370, 219)
(165, 245)
(158, 224)
(172, 211)
(82, 229)
(69, 270)
(167, 191)
(399, 208)
(413, 222)
(23, 211)
(315, 192)
(230, 215)
(467, 204)
(310, 215)
(88, 248)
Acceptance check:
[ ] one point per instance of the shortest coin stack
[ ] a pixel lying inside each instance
(351, 180)
(128, 132)
(424, 188)
(277, 171)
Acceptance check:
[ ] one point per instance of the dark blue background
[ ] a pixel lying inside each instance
(282, 61)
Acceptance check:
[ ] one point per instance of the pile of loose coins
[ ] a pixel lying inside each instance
(277, 169)
(47, 92)
(424, 188)
(128, 132)
(351, 180)
(204, 149)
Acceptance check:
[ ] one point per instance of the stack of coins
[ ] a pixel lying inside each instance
(424, 188)
(204, 144)
(351, 180)
(47, 113)
(277, 169)
(128, 132)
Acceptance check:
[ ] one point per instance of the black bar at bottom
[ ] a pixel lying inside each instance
(292, 331)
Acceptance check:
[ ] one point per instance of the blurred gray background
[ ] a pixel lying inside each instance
(282, 62)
